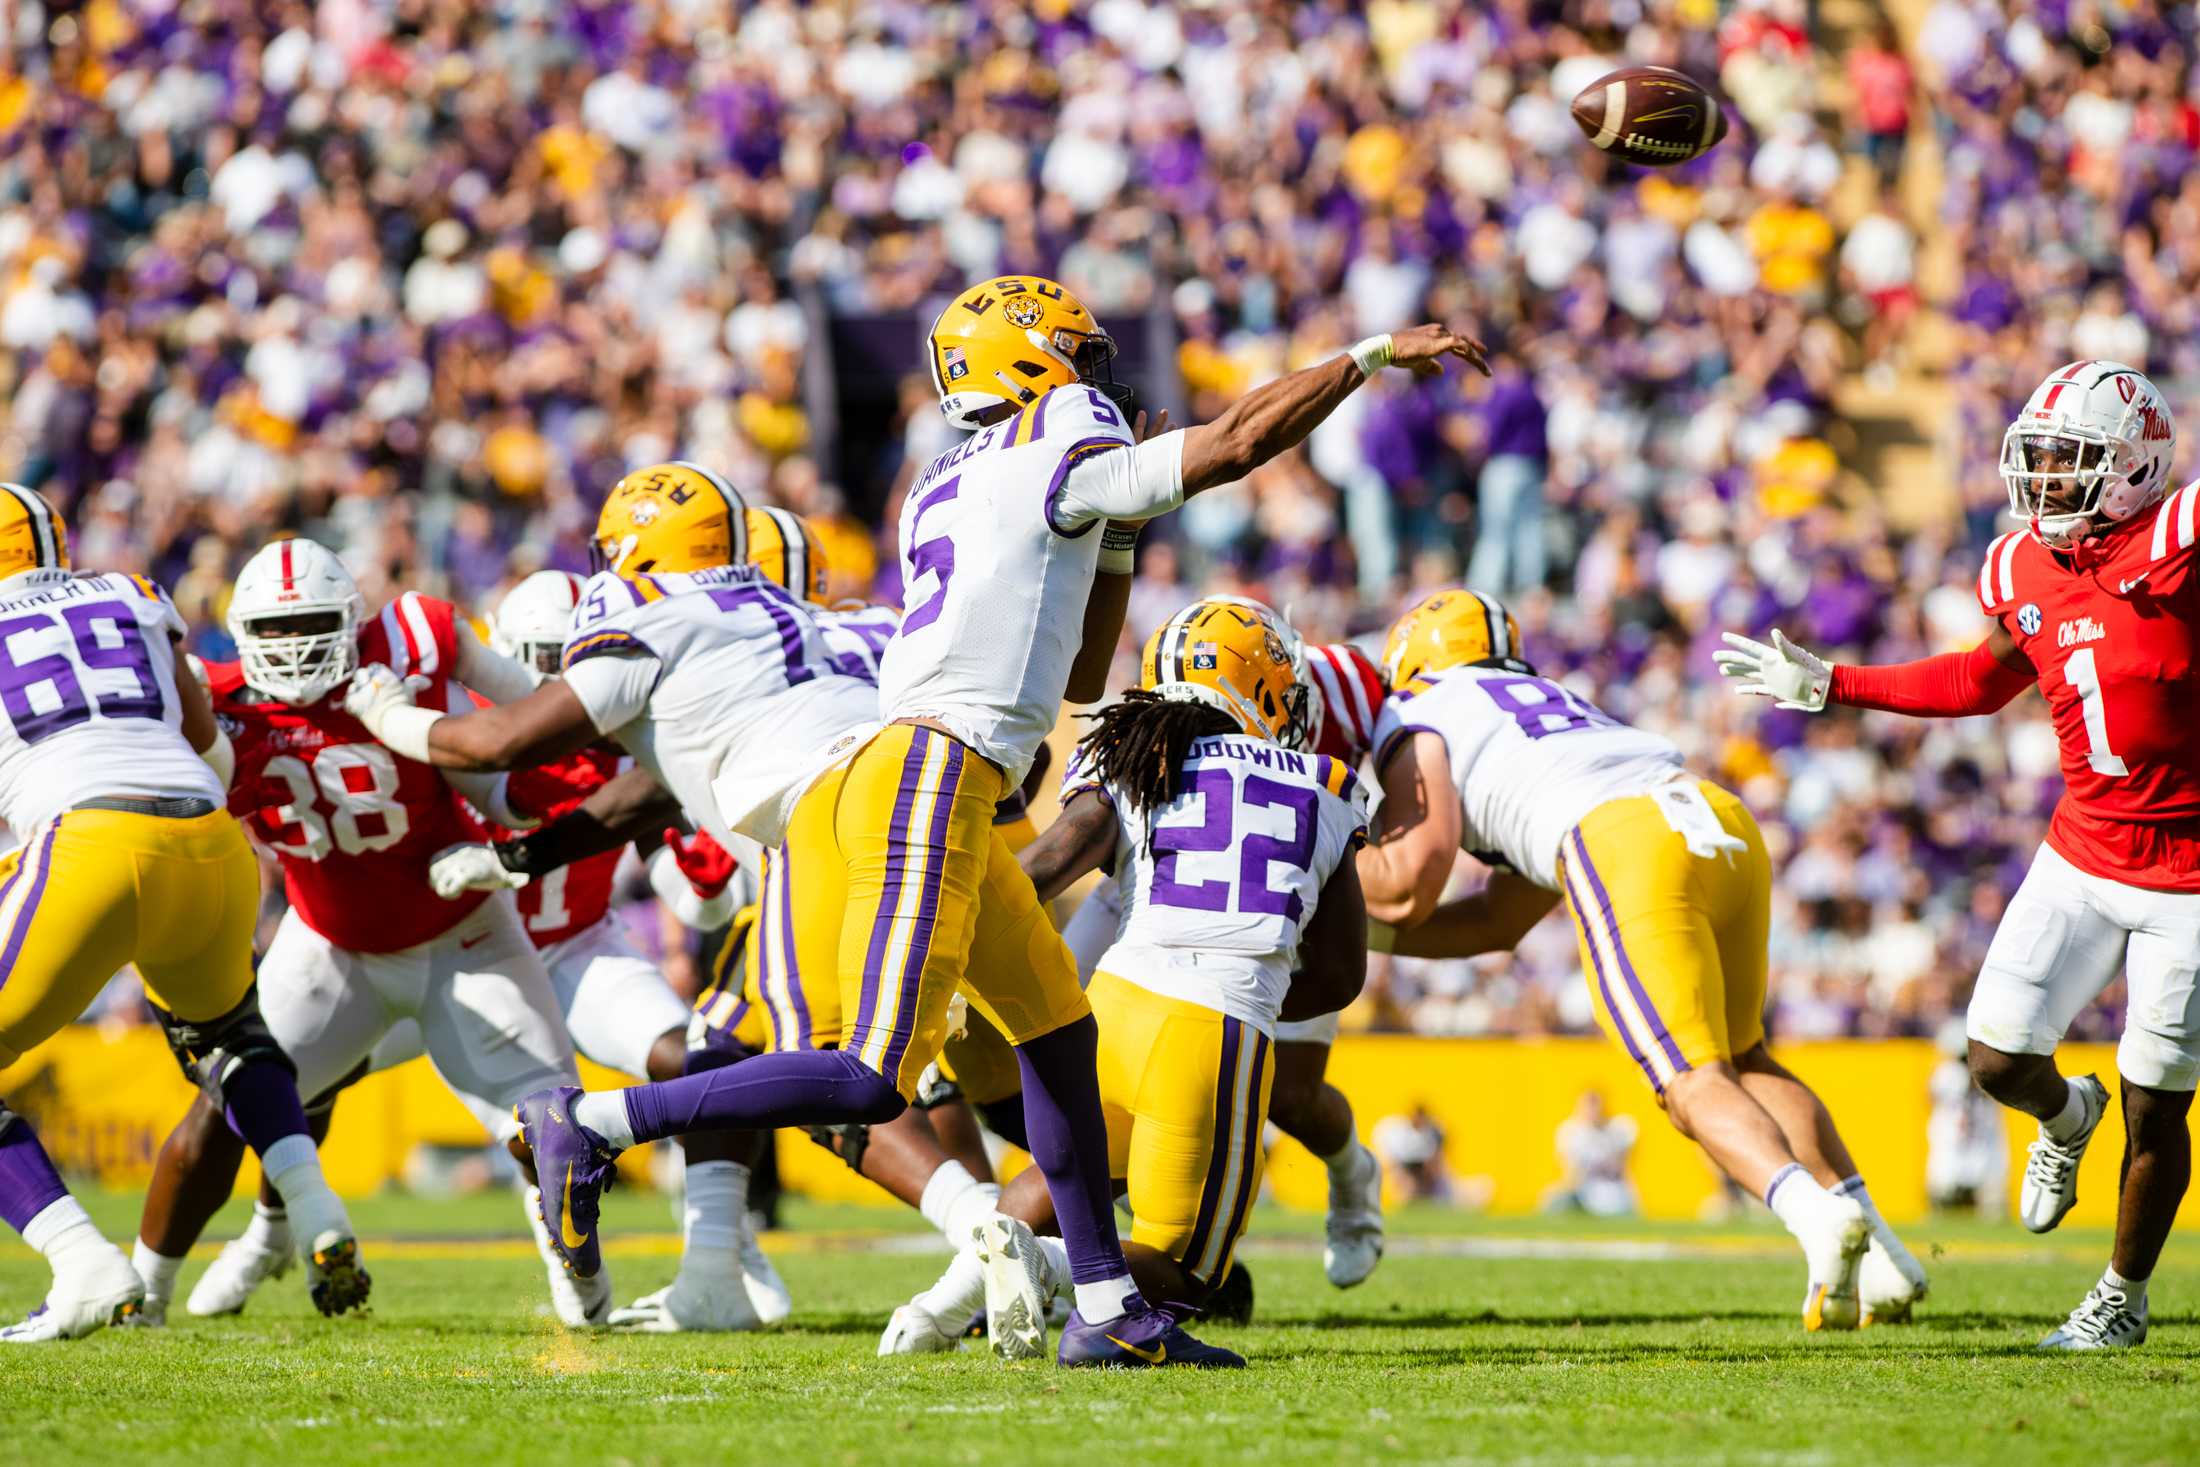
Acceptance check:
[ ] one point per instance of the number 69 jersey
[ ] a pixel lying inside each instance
(88, 694)
(1217, 887)
(353, 824)
(1521, 790)
(2113, 631)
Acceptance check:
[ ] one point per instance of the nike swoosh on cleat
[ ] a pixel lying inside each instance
(566, 1234)
(1155, 1356)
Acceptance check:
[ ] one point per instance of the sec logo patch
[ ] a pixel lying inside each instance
(2028, 619)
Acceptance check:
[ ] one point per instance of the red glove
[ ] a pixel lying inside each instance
(707, 865)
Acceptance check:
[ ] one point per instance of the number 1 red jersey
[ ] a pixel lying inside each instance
(353, 824)
(2113, 629)
(570, 900)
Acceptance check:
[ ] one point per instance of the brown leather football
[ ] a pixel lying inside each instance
(1650, 116)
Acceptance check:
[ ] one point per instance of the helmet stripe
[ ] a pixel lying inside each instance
(40, 515)
(737, 525)
(1494, 615)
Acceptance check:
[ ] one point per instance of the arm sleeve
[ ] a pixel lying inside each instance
(614, 689)
(491, 794)
(490, 673)
(1105, 478)
(1948, 686)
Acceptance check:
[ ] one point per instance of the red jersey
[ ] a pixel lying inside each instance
(2113, 632)
(1352, 695)
(353, 824)
(574, 897)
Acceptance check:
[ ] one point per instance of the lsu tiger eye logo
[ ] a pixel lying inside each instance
(1023, 311)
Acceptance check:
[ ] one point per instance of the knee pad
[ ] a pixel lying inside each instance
(848, 1142)
(210, 1052)
(2158, 1061)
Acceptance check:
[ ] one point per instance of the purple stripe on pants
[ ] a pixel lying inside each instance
(882, 926)
(1218, 1154)
(928, 911)
(1611, 1006)
(1248, 1158)
(22, 926)
(1626, 966)
(782, 872)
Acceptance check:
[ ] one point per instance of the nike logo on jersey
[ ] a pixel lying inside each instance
(566, 1234)
(475, 941)
(1154, 1356)
(2123, 588)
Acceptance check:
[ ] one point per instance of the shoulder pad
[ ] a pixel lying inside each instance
(1072, 414)
(419, 635)
(2173, 523)
(1997, 579)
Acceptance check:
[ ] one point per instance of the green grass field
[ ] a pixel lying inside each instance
(1477, 1342)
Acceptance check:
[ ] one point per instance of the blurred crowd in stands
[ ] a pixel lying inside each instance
(422, 278)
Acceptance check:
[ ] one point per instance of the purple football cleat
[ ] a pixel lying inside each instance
(1142, 1339)
(573, 1166)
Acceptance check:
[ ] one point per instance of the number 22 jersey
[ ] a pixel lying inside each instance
(1218, 885)
(353, 824)
(1528, 758)
(2112, 629)
(88, 694)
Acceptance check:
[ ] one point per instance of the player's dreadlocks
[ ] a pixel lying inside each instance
(1138, 745)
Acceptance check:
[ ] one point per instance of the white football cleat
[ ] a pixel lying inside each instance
(1017, 1288)
(2106, 1320)
(1355, 1226)
(2051, 1167)
(241, 1267)
(914, 1330)
(694, 1302)
(1834, 1247)
(92, 1295)
(1891, 1282)
(768, 1294)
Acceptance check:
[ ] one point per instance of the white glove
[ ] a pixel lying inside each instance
(1783, 671)
(457, 870)
(375, 690)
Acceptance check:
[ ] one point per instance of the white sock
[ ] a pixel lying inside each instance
(1854, 1189)
(157, 1270)
(717, 1205)
(2068, 1121)
(293, 1169)
(1056, 1254)
(1796, 1198)
(1344, 1162)
(956, 1202)
(1106, 1300)
(2133, 1289)
(959, 1293)
(604, 1112)
(62, 1227)
(269, 1228)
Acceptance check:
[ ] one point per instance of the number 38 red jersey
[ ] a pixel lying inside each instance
(353, 824)
(2113, 628)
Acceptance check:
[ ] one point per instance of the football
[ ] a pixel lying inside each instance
(1651, 116)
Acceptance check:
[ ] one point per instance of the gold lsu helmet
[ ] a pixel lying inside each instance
(1448, 629)
(1229, 656)
(32, 536)
(784, 547)
(670, 517)
(1006, 341)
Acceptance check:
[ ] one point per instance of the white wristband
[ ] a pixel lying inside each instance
(403, 730)
(1118, 549)
(1371, 355)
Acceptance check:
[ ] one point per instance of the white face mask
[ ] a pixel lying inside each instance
(300, 667)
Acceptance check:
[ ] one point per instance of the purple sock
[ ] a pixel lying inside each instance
(260, 1102)
(28, 1182)
(814, 1087)
(1069, 1142)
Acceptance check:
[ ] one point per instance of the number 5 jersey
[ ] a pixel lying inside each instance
(1218, 886)
(353, 824)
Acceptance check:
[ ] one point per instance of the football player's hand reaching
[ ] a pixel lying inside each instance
(456, 870)
(1421, 350)
(1792, 676)
(375, 690)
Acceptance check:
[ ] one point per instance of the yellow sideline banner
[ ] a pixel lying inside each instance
(103, 1099)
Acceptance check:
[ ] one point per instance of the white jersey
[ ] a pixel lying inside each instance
(999, 543)
(1217, 887)
(719, 684)
(88, 696)
(857, 638)
(1528, 757)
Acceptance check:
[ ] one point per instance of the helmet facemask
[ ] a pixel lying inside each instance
(2056, 480)
(297, 657)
